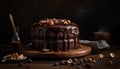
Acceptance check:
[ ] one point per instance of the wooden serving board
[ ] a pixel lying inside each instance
(82, 51)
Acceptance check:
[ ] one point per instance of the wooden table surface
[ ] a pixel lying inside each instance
(38, 63)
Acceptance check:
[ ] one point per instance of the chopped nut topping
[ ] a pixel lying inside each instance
(55, 22)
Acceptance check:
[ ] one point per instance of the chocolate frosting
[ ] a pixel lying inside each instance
(58, 34)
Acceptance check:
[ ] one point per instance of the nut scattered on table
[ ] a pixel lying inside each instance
(94, 61)
(112, 55)
(110, 62)
(69, 61)
(101, 56)
(85, 62)
(90, 59)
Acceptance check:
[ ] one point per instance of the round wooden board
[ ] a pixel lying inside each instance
(82, 51)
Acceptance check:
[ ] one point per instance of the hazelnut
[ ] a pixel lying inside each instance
(69, 61)
(42, 21)
(65, 22)
(101, 56)
(51, 22)
(55, 20)
(68, 21)
(48, 20)
(90, 59)
(62, 20)
(112, 55)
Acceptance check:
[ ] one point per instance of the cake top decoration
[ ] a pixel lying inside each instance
(55, 21)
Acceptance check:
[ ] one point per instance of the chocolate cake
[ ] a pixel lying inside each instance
(55, 35)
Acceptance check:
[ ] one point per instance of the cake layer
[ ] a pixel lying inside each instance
(56, 45)
(55, 35)
(55, 32)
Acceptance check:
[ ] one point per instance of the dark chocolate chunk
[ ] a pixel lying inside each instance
(75, 59)
(87, 65)
(56, 64)
(81, 61)
(63, 62)
(78, 67)
(74, 64)
(84, 60)
(20, 64)
(29, 60)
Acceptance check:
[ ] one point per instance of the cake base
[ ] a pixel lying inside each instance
(82, 51)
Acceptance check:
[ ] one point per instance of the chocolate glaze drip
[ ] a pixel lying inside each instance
(61, 35)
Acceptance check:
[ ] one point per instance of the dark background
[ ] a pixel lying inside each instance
(88, 14)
